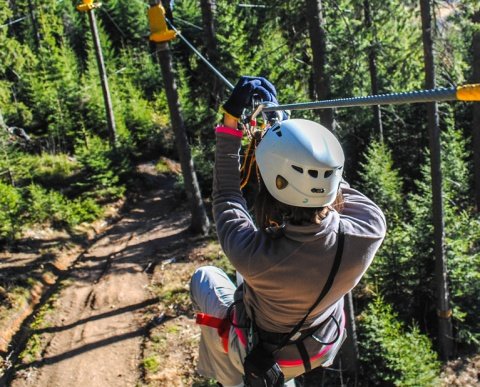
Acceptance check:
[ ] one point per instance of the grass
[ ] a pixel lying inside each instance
(171, 350)
(151, 363)
(162, 167)
(35, 344)
(46, 167)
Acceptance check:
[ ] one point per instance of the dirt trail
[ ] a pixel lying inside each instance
(94, 336)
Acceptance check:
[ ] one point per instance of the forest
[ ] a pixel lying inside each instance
(70, 148)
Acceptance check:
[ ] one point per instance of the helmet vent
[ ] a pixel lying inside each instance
(328, 173)
(313, 173)
(276, 130)
(298, 169)
(281, 182)
(318, 190)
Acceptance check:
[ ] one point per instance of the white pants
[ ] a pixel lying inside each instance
(212, 293)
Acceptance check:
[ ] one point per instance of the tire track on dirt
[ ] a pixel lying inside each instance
(94, 337)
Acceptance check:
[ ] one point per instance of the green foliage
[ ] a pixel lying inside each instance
(392, 355)
(125, 22)
(10, 210)
(103, 167)
(46, 169)
(49, 206)
(394, 268)
(381, 182)
(203, 160)
(151, 363)
(462, 238)
(145, 128)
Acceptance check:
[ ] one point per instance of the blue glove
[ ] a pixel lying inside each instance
(244, 91)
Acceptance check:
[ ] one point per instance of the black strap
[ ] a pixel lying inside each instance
(326, 288)
(305, 356)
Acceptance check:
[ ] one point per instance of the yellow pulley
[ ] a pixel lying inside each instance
(159, 31)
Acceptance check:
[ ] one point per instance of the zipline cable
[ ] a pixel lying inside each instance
(459, 93)
(225, 80)
(188, 23)
(13, 22)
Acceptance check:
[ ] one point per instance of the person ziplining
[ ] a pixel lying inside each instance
(312, 239)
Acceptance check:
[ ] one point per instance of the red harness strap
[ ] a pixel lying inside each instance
(222, 325)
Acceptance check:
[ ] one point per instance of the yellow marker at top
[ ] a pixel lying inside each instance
(469, 92)
(87, 5)
(159, 31)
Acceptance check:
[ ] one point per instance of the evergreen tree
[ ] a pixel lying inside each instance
(125, 22)
(393, 272)
(393, 355)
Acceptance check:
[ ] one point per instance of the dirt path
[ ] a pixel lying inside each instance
(94, 334)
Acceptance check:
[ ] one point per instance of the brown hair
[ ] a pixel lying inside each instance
(270, 212)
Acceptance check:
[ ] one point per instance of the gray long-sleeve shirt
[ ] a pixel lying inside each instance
(286, 275)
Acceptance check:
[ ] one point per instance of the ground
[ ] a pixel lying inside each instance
(113, 309)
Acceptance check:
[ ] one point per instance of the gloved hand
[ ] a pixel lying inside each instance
(245, 89)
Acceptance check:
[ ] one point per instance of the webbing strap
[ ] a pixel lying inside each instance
(326, 287)
(221, 324)
(305, 356)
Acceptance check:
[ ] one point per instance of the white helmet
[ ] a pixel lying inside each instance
(301, 163)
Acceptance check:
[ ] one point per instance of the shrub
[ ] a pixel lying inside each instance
(49, 206)
(46, 169)
(203, 157)
(102, 175)
(392, 355)
(10, 209)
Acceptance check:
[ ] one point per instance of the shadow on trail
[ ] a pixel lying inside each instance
(88, 347)
(126, 309)
(143, 255)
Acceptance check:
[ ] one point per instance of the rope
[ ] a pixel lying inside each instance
(250, 160)
(218, 73)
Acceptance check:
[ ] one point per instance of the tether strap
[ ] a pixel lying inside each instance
(305, 356)
(326, 288)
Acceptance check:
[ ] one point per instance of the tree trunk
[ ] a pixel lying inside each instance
(112, 132)
(443, 299)
(372, 66)
(36, 34)
(200, 223)
(476, 109)
(208, 8)
(318, 41)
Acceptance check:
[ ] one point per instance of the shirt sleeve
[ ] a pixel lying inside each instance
(236, 230)
(362, 214)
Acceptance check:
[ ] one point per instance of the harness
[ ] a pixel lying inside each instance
(295, 337)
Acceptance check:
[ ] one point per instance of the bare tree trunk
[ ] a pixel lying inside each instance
(318, 41)
(36, 34)
(372, 66)
(443, 298)
(476, 110)
(112, 132)
(200, 223)
(208, 8)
